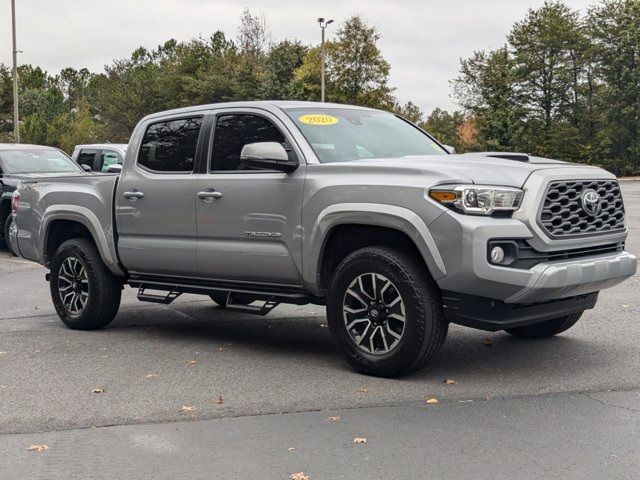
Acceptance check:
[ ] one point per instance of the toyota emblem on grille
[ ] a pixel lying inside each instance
(591, 202)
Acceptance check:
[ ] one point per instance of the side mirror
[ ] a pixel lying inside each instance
(267, 156)
(86, 168)
(449, 149)
(114, 168)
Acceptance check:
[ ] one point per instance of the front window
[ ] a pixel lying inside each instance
(345, 134)
(234, 131)
(36, 160)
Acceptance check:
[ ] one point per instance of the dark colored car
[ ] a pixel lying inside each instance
(18, 161)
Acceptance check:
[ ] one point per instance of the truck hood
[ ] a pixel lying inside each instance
(466, 168)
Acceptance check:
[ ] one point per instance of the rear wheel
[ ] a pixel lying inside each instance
(548, 328)
(221, 298)
(385, 312)
(85, 293)
(6, 226)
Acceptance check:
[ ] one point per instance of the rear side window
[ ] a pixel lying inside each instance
(87, 157)
(233, 132)
(170, 146)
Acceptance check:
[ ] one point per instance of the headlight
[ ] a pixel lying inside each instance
(478, 199)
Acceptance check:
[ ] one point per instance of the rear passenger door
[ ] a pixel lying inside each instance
(251, 231)
(155, 198)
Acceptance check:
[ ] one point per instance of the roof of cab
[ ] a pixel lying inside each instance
(267, 104)
(24, 146)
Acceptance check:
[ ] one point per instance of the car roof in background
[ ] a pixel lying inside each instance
(121, 146)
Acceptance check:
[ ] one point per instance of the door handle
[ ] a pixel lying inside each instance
(133, 195)
(208, 195)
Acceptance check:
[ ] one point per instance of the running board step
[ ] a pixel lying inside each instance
(263, 309)
(165, 298)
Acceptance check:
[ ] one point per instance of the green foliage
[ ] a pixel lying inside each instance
(564, 86)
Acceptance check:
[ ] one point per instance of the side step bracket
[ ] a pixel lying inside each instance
(165, 298)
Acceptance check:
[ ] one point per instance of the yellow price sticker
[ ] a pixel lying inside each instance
(317, 119)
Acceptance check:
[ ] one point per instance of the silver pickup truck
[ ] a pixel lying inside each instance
(260, 203)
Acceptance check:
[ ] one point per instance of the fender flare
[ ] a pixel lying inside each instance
(374, 214)
(83, 216)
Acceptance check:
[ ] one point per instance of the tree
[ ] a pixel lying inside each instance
(614, 27)
(444, 127)
(410, 111)
(548, 59)
(356, 71)
(486, 89)
(281, 62)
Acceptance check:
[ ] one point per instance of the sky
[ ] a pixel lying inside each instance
(423, 40)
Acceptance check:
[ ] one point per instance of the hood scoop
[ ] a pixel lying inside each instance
(518, 157)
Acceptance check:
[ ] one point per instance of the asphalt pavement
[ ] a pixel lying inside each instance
(189, 390)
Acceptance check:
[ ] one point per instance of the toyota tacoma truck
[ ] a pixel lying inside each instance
(260, 203)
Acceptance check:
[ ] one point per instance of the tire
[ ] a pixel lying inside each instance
(221, 299)
(546, 329)
(77, 266)
(6, 226)
(424, 328)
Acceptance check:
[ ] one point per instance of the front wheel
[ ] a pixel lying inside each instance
(385, 312)
(85, 294)
(546, 329)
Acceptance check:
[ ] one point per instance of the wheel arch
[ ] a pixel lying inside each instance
(65, 222)
(357, 225)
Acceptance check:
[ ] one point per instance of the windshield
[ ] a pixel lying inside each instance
(344, 134)
(34, 160)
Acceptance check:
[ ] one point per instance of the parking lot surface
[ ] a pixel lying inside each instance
(253, 387)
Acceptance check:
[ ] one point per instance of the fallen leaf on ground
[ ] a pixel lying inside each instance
(432, 401)
(37, 448)
(449, 381)
(487, 341)
(150, 375)
(99, 390)
(359, 440)
(218, 401)
(188, 408)
(364, 389)
(333, 419)
(191, 362)
(299, 476)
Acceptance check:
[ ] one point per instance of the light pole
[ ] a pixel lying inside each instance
(16, 126)
(323, 25)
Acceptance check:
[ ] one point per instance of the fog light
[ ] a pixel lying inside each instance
(497, 254)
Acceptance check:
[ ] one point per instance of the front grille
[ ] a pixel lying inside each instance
(563, 214)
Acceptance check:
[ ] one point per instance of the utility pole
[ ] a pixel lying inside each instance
(323, 25)
(16, 125)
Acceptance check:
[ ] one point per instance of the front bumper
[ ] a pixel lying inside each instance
(462, 243)
(494, 315)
